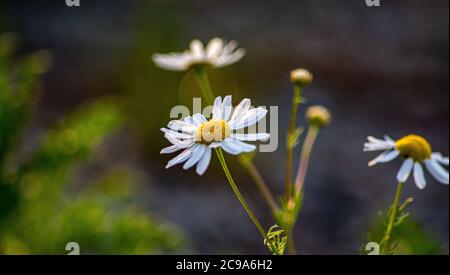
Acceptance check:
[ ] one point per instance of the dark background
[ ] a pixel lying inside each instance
(380, 70)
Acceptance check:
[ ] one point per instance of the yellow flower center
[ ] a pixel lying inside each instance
(415, 147)
(211, 131)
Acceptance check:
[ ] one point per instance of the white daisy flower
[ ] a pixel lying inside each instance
(197, 136)
(216, 54)
(417, 152)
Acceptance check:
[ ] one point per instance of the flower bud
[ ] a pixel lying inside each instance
(301, 77)
(318, 116)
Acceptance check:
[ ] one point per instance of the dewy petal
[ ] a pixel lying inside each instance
(385, 157)
(419, 177)
(405, 170)
(251, 137)
(440, 158)
(203, 163)
(227, 107)
(437, 171)
(217, 108)
(214, 49)
(197, 153)
(250, 118)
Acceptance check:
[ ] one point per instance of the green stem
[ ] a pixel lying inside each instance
(291, 244)
(305, 157)
(385, 242)
(238, 193)
(205, 86)
(203, 81)
(262, 186)
(296, 100)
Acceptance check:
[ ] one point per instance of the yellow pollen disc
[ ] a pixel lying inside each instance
(415, 147)
(211, 131)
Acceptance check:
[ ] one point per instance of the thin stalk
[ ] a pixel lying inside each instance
(262, 186)
(208, 95)
(393, 216)
(238, 193)
(205, 86)
(296, 100)
(305, 157)
(291, 244)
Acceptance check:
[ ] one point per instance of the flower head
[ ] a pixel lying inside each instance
(301, 77)
(216, 54)
(417, 152)
(197, 136)
(318, 116)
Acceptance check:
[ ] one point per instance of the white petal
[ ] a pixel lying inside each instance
(214, 49)
(251, 137)
(171, 149)
(378, 146)
(389, 139)
(197, 50)
(250, 118)
(405, 170)
(214, 145)
(440, 158)
(244, 147)
(180, 143)
(375, 144)
(437, 171)
(375, 140)
(230, 147)
(227, 107)
(203, 164)
(177, 135)
(419, 177)
(241, 109)
(226, 60)
(217, 108)
(198, 119)
(197, 153)
(172, 62)
(180, 158)
(385, 157)
(185, 126)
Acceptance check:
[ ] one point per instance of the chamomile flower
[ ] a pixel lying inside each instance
(417, 153)
(197, 136)
(216, 54)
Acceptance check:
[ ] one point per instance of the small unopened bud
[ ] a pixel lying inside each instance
(301, 77)
(318, 116)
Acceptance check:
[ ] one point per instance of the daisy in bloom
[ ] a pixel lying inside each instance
(417, 153)
(197, 136)
(216, 54)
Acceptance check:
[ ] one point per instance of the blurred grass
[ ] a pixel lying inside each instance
(39, 211)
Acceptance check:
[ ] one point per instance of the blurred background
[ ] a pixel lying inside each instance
(80, 121)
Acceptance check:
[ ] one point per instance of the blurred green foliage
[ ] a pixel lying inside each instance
(40, 211)
(410, 238)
